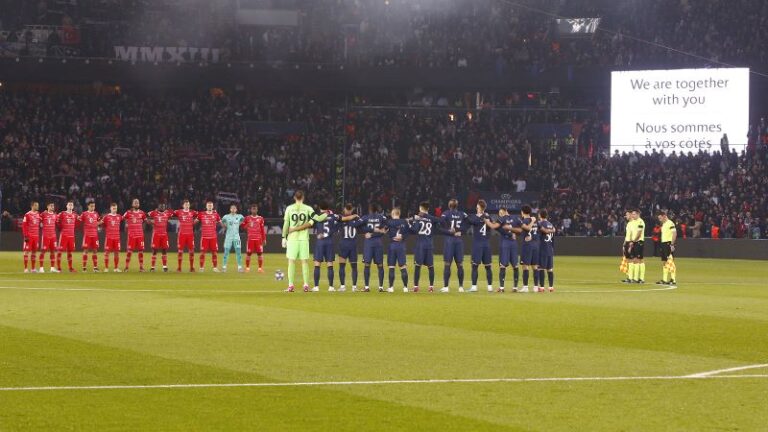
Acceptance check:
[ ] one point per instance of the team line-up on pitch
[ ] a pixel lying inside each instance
(135, 218)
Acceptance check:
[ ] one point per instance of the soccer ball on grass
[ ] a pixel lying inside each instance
(279, 275)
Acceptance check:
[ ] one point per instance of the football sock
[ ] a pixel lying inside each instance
(248, 260)
(191, 260)
(391, 276)
(515, 275)
(354, 273)
(225, 258)
(502, 276)
(291, 271)
(431, 276)
(239, 256)
(642, 271)
(404, 276)
(460, 273)
(416, 275)
(116, 259)
(128, 259)
(367, 275)
(305, 272)
(85, 260)
(489, 274)
(214, 258)
(141, 259)
(535, 277)
(261, 260)
(673, 275)
(381, 275)
(525, 277)
(165, 259)
(26, 261)
(447, 274)
(180, 257)
(342, 273)
(202, 260)
(474, 274)
(330, 275)
(317, 275)
(551, 276)
(33, 258)
(665, 275)
(154, 259)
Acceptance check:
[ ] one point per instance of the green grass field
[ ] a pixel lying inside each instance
(312, 356)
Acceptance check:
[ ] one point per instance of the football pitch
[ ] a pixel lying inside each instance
(229, 351)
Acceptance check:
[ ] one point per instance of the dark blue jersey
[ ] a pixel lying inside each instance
(547, 239)
(350, 229)
(370, 222)
(397, 226)
(454, 220)
(425, 228)
(509, 221)
(328, 227)
(480, 231)
(533, 234)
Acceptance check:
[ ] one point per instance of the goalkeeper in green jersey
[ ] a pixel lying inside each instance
(298, 217)
(232, 222)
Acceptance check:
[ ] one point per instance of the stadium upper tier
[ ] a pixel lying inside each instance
(492, 34)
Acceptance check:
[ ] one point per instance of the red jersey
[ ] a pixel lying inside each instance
(134, 222)
(186, 221)
(49, 224)
(208, 224)
(67, 222)
(90, 221)
(255, 227)
(31, 225)
(160, 219)
(112, 226)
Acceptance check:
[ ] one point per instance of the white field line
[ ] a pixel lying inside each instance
(708, 374)
(224, 291)
(385, 382)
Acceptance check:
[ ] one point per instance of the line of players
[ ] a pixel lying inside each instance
(536, 254)
(134, 220)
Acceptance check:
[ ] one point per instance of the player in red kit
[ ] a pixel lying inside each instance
(257, 238)
(30, 227)
(91, 221)
(134, 224)
(67, 221)
(209, 224)
(187, 219)
(159, 220)
(49, 219)
(111, 223)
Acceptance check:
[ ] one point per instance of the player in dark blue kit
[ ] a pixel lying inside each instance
(424, 226)
(397, 230)
(324, 252)
(453, 249)
(348, 247)
(546, 251)
(530, 251)
(508, 226)
(481, 246)
(373, 249)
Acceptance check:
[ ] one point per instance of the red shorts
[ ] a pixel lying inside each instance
(135, 244)
(186, 241)
(160, 242)
(91, 243)
(112, 245)
(209, 244)
(49, 244)
(66, 244)
(254, 246)
(32, 244)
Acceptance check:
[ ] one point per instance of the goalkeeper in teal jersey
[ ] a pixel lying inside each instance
(232, 223)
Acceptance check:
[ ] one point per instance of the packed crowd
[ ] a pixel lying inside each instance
(114, 148)
(425, 33)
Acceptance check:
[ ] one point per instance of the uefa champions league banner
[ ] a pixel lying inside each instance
(512, 201)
